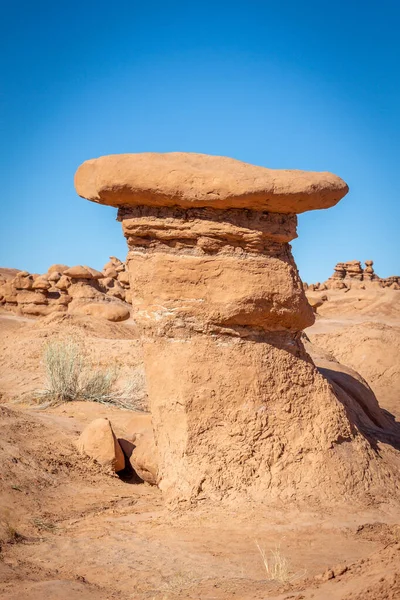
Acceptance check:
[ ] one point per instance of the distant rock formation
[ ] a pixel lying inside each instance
(351, 275)
(239, 410)
(76, 290)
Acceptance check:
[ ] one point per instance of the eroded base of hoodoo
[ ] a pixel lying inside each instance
(255, 420)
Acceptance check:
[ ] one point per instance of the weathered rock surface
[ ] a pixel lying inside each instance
(193, 180)
(105, 310)
(140, 448)
(350, 275)
(79, 289)
(98, 441)
(144, 458)
(239, 410)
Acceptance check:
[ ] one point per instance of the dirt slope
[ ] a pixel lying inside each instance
(70, 530)
(372, 349)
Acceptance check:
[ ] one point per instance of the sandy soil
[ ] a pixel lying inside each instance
(69, 529)
(362, 330)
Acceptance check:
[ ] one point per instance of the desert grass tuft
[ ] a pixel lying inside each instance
(277, 566)
(70, 376)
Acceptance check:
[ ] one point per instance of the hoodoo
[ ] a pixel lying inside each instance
(238, 406)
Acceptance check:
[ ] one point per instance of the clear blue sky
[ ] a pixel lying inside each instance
(284, 84)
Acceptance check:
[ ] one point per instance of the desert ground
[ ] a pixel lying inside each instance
(244, 441)
(73, 529)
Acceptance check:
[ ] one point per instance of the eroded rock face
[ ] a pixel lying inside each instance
(79, 289)
(238, 407)
(351, 275)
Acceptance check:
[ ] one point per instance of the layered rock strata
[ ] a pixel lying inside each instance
(238, 407)
(76, 290)
(351, 275)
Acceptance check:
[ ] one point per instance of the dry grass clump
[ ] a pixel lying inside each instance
(277, 566)
(64, 363)
(70, 376)
(44, 525)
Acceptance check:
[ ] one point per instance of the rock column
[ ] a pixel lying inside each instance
(368, 274)
(238, 407)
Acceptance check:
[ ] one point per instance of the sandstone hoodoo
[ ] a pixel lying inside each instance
(238, 407)
(351, 275)
(76, 290)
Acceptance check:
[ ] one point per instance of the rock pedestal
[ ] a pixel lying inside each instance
(368, 271)
(354, 270)
(238, 407)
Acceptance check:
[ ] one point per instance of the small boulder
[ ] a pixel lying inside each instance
(41, 283)
(116, 291)
(144, 457)
(110, 272)
(57, 269)
(54, 276)
(23, 281)
(123, 277)
(84, 290)
(315, 301)
(78, 272)
(98, 441)
(103, 310)
(95, 274)
(64, 283)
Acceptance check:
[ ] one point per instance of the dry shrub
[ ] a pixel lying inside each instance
(63, 361)
(277, 566)
(70, 376)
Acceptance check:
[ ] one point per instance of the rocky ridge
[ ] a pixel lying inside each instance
(351, 274)
(74, 290)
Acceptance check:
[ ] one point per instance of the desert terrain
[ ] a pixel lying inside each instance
(324, 523)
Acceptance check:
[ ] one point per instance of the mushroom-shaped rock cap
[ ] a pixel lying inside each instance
(78, 272)
(41, 283)
(199, 180)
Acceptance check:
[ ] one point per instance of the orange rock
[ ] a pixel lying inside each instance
(57, 269)
(104, 310)
(198, 180)
(115, 290)
(54, 276)
(41, 283)
(95, 274)
(315, 301)
(84, 290)
(23, 281)
(28, 297)
(63, 283)
(239, 409)
(123, 278)
(98, 441)
(78, 272)
(110, 272)
(144, 457)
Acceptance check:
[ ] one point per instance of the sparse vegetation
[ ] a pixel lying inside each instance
(44, 525)
(70, 376)
(64, 364)
(277, 566)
